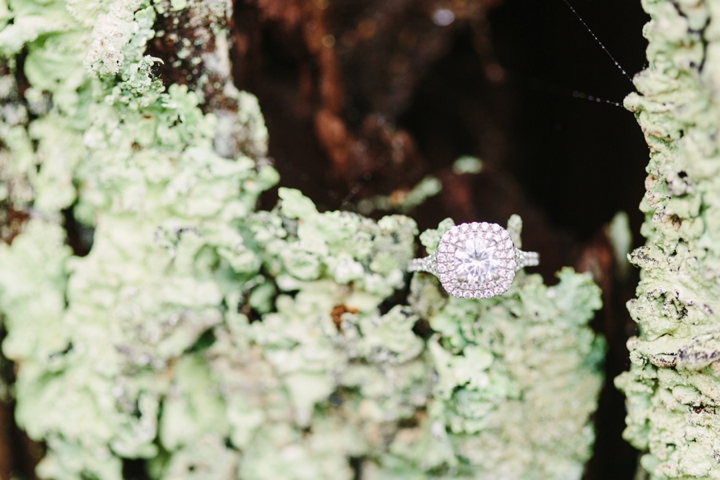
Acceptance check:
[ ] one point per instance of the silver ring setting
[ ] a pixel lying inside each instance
(475, 260)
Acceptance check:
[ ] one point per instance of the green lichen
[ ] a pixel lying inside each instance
(402, 201)
(620, 236)
(216, 341)
(467, 164)
(672, 386)
(504, 365)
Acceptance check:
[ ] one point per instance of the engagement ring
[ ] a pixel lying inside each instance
(475, 260)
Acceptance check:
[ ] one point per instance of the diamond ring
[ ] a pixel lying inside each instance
(475, 260)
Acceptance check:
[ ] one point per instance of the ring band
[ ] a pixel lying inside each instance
(475, 260)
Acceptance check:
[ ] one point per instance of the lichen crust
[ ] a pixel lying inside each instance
(672, 384)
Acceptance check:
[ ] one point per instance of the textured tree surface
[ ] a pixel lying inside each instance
(169, 313)
(672, 386)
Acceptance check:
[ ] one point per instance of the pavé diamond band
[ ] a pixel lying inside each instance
(475, 260)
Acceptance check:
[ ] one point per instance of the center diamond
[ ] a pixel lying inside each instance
(477, 261)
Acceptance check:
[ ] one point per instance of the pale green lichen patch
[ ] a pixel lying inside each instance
(467, 165)
(402, 201)
(672, 386)
(504, 366)
(620, 236)
(33, 283)
(96, 339)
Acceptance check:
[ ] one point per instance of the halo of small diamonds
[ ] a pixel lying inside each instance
(476, 260)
